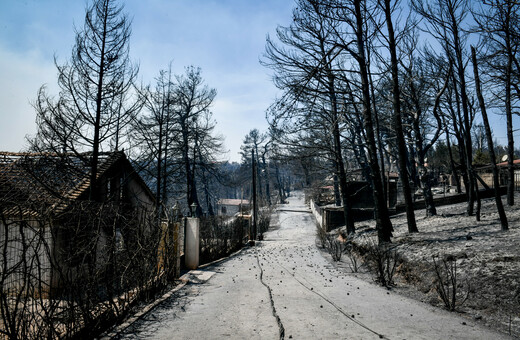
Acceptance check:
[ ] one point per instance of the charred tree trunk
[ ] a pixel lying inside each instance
(191, 189)
(477, 198)
(337, 195)
(258, 173)
(338, 154)
(383, 223)
(158, 187)
(465, 110)
(266, 179)
(509, 119)
(94, 190)
(489, 137)
(398, 125)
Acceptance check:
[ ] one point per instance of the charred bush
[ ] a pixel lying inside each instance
(382, 260)
(350, 250)
(451, 291)
(264, 220)
(322, 236)
(335, 246)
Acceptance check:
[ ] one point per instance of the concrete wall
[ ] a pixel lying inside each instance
(362, 205)
(330, 218)
(317, 211)
(452, 199)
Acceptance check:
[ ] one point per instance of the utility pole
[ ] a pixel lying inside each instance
(254, 195)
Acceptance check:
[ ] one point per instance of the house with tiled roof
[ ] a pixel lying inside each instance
(230, 207)
(46, 215)
(486, 174)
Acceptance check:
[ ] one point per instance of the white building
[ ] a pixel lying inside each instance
(231, 207)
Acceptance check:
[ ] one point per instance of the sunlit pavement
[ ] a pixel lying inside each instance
(283, 287)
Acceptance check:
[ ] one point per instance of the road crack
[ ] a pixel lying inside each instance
(273, 308)
(338, 308)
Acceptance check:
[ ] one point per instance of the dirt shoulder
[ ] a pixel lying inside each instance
(487, 261)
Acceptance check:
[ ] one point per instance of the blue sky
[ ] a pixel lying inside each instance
(225, 38)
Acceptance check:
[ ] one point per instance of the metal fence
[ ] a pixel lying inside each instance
(71, 276)
(219, 236)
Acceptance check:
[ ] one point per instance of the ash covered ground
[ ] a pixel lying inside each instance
(487, 260)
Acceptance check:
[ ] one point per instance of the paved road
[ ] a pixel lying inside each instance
(285, 288)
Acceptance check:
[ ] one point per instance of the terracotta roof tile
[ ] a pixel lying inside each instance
(47, 180)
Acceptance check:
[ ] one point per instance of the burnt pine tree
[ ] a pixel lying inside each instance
(421, 78)
(306, 69)
(354, 17)
(89, 111)
(498, 21)
(383, 224)
(445, 19)
(261, 144)
(207, 147)
(193, 99)
(489, 137)
(398, 123)
(152, 134)
(253, 141)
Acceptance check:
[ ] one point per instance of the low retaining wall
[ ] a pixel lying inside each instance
(452, 199)
(329, 218)
(317, 211)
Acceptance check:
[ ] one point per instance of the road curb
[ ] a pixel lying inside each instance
(185, 279)
(121, 327)
(205, 265)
